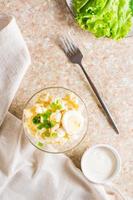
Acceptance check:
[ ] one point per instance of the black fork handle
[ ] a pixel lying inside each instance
(100, 100)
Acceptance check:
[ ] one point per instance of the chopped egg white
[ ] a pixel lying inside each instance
(56, 116)
(55, 128)
(60, 132)
(40, 109)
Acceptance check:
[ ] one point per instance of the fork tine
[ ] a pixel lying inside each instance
(65, 48)
(67, 42)
(72, 43)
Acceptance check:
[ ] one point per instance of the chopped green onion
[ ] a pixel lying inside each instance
(53, 123)
(39, 144)
(47, 134)
(36, 119)
(40, 126)
(46, 115)
(55, 106)
(43, 135)
(46, 124)
(54, 134)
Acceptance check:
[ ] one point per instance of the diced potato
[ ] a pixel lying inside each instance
(44, 99)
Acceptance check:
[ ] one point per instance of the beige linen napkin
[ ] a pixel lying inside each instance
(29, 174)
(25, 172)
(14, 60)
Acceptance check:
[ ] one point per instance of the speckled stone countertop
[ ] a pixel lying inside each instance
(109, 63)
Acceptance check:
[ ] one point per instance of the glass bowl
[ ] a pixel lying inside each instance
(70, 144)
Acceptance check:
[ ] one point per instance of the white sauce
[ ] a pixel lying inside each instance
(99, 164)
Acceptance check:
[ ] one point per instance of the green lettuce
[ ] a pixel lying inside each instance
(104, 18)
(131, 6)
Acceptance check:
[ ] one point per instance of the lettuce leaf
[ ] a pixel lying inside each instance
(104, 18)
(77, 5)
(131, 6)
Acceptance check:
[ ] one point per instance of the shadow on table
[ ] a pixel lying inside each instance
(64, 12)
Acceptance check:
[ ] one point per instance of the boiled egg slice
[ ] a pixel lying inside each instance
(72, 122)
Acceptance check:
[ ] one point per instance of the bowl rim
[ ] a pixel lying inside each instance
(47, 88)
(115, 153)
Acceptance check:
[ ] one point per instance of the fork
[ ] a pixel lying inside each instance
(75, 56)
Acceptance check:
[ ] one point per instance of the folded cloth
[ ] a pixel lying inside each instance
(25, 172)
(14, 60)
(29, 174)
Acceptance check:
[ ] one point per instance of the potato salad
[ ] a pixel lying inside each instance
(53, 120)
